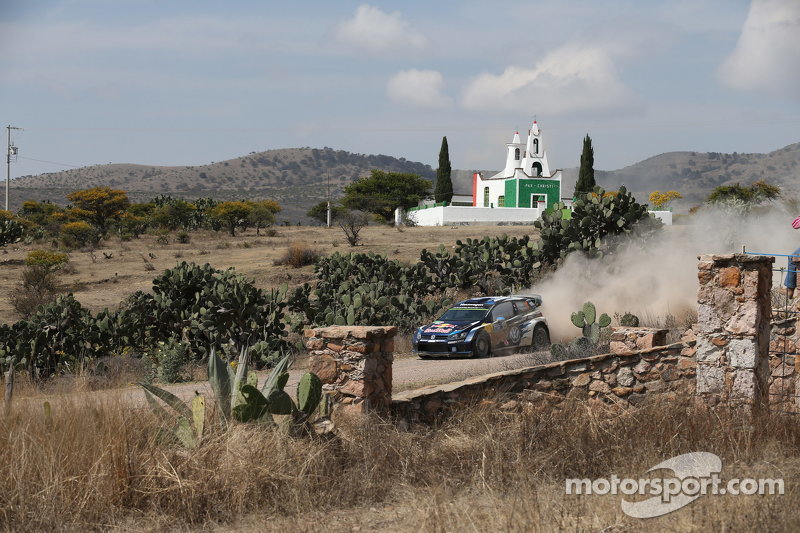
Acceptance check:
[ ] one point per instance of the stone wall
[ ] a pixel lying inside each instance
(630, 339)
(623, 379)
(354, 364)
(733, 333)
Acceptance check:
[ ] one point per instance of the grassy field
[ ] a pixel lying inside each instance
(103, 277)
(93, 466)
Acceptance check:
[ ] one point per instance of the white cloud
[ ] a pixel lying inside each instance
(767, 56)
(375, 31)
(567, 80)
(418, 88)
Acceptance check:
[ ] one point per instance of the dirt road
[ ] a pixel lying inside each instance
(408, 372)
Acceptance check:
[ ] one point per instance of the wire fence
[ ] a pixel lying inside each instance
(783, 393)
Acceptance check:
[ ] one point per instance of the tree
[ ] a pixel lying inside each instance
(99, 205)
(586, 181)
(262, 214)
(661, 200)
(759, 192)
(174, 215)
(230, 215)
(382, 192)
(320, 211)
(351, 223)
(444, 185)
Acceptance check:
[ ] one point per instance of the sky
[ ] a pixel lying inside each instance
(190, 82)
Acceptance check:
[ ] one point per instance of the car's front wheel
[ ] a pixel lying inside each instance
(482, 345)
(541, 338)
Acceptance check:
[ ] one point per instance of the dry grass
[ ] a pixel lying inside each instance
(99, 466)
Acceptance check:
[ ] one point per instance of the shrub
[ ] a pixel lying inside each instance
(38, 284)
(298, 255)
(183, 237)
(78, 235)
(171, 357)
(131, 224)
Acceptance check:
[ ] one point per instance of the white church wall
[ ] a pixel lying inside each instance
(497, 188)
(663, 216)
(444, 216)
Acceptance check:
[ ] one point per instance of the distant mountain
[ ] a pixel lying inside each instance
(296, 177)
(693, 174)
(696, 174)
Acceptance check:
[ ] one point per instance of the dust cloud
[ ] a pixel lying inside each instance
(660, 277)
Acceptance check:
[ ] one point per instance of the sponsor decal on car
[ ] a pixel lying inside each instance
(440, 327)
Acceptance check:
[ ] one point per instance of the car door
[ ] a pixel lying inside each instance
(503, 316)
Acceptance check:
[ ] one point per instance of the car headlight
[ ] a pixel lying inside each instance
(458, 336)
(415, 335)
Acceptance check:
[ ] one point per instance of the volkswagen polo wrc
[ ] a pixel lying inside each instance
(482, 327)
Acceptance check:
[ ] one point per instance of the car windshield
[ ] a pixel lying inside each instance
(460, 314)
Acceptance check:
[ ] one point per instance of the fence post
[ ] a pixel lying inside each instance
(354, 364)
(733, 334)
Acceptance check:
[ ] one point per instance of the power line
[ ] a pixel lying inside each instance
(51, 162)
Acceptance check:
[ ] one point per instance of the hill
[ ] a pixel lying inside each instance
(695, 174)
(296, 177)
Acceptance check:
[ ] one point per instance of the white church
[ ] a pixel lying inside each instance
(518, 194)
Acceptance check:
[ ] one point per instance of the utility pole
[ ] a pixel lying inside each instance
(12, 151)
(328, 176)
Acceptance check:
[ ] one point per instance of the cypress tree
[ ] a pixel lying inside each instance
(444, 185)
(586, 181)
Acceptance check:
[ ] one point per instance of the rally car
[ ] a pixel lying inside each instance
(481, 327)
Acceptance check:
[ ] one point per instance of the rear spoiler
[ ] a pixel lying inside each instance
(535, 297)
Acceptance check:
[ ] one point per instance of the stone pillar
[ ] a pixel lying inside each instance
(626, 339)
(733, 329)
(354, 364)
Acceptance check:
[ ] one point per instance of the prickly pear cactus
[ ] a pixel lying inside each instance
(585, 319)
(629, 320)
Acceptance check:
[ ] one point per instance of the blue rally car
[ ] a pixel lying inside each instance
(481, 327)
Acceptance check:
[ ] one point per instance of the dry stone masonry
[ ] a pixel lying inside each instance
(622, 379)
(631, 339)
(733, 329)
(354, 364)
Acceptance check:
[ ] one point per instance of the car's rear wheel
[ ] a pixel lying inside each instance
(541, 338)
(482, 345)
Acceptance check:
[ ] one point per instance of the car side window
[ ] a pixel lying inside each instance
(504, 310)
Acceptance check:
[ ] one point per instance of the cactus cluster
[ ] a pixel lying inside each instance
(591, 325)
(208, 306)
(10, 230)
(198, 304)
(595, 217)
(495, 265)
(59, 334)
(366, 289)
